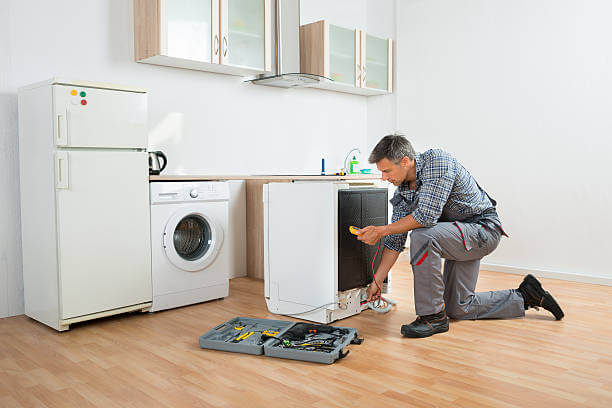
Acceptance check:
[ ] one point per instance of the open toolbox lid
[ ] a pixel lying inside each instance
(281, 338)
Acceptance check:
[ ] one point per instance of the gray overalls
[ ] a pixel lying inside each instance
(462, 244)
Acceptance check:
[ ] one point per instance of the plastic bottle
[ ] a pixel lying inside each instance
(354, 166)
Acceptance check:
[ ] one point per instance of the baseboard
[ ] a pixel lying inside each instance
(572, 277)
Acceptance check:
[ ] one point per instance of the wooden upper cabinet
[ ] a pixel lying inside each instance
(226, 36)
(356, 61)
(377, 62)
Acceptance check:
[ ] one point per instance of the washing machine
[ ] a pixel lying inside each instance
(189, 224)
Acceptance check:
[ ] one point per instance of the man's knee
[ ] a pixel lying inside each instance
(456, 314)
(461, 310)
(420, 240)
(420, 237)
(427, 235)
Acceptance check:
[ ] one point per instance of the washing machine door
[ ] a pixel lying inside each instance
(192, 239)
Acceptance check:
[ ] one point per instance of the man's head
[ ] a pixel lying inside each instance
(394, 157)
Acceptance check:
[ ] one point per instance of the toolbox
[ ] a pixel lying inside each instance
(282, 339)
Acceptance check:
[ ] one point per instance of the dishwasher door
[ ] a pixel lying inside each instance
(359, 207)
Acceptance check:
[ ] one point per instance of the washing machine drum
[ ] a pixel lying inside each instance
(192, 240)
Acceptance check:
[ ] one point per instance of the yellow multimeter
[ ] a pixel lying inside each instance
(353, 230)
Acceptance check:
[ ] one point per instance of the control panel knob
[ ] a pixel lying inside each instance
(193, 193)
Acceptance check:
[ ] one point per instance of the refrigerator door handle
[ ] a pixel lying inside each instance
(61, 170)
(62, 131)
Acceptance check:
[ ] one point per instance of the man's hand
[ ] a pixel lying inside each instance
(370, 235)
(387, 260)
(372, 291)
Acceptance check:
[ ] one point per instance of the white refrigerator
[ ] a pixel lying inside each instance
(84, 201)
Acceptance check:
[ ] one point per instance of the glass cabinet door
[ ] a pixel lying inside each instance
(376, 70)
(243, 33)
(188, 29)
(342, 54)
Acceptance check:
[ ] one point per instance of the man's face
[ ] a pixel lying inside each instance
(394, 173)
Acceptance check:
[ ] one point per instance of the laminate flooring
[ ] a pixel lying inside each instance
(154, 360)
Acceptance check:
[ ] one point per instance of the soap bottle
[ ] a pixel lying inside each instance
(354, 166)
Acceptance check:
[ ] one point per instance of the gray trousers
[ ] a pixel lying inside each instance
(462, 245)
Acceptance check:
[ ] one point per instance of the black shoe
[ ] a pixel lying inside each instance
(536, 297)
(425, 326)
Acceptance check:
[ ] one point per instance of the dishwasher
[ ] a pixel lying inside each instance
(314, 268)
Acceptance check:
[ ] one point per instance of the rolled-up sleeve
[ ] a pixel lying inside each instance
(396, 242)
(438, 177)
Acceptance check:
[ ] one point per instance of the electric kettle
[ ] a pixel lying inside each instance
(154, 166)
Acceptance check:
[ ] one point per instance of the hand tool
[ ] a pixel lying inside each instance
(243, 336)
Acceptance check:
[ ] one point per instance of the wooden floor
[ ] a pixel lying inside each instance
(150, 360)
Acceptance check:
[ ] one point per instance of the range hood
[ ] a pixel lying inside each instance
(288, 73)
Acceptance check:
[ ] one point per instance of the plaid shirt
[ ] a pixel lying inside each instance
(444, 191)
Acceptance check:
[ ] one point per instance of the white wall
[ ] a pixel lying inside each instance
(344, 13)
(376, 17)
(206, 123)
(382, 111)
(521, 92)
(11, 282)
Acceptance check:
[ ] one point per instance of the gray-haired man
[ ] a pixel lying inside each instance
(450, 217)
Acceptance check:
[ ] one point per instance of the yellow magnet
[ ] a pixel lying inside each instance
(353, 230)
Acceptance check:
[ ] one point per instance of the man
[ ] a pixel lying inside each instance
(450, 217)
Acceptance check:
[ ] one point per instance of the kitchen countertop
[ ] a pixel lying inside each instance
(172, 177)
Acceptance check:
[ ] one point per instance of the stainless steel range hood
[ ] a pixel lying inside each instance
(288, 73)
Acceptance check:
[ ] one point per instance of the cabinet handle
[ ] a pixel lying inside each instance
(359, 73)
(225, 46)
(216, 41)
